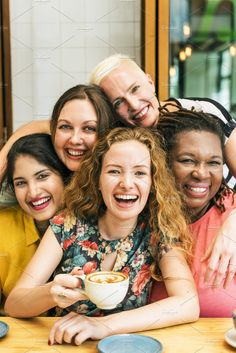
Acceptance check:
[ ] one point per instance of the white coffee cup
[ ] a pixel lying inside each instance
(106, 289)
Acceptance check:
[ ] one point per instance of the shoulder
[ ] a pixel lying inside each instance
(207, 105)
(12, 215)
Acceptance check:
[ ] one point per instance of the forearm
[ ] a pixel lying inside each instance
(40, 126)
(230, 150)
(167, 312)
(29, 302)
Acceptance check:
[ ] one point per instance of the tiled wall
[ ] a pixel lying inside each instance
(56, 43)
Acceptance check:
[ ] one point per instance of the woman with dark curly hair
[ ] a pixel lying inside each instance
(119, 217)
(194, 143)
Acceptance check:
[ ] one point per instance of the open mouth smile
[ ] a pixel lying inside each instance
(125, 200)
(141, 115)
(75, 153)
(40, 203)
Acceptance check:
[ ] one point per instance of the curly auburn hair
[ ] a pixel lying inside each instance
(171, 124)
(164, 207)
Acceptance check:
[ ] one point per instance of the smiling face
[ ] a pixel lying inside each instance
(38, 189)
(76, 132)
(125, 180)
(197, 164)
(132, 94)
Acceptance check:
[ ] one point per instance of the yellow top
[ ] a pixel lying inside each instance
(19, 240)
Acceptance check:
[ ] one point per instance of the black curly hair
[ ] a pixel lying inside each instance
(170, 124)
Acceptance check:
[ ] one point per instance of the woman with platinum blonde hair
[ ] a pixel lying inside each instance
(132, 93)
(119, 217)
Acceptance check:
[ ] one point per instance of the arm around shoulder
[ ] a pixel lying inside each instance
(230, 153)
(40, 126)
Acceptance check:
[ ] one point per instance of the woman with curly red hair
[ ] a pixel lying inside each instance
(119, 217)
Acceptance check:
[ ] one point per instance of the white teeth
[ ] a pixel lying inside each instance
(75, 153)
(41, 201)
(126, 197)
(200, 190)
(141, 114)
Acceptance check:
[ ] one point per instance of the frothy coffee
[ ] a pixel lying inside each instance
(106, 277)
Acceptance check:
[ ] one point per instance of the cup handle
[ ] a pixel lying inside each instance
(82, 291)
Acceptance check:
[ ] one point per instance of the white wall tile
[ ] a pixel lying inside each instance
(122, 34)
(22, 60)
(98, 36)
(73, 59)
(22, 84)
(122, 12)
(46, 35)
(56, 43)
(21, 35)
(21, 11)
(94, 56)
(98, 12)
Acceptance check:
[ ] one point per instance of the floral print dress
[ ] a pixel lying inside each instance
(84, 247)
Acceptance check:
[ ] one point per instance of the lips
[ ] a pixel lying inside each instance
(196, 190)
(141, 115)
(40, 203)
(75, 153)
(125, 200)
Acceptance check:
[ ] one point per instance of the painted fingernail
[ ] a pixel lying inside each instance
(49, 343)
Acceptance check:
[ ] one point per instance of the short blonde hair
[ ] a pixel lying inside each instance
(107, 65)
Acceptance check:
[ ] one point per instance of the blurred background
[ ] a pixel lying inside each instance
(48, 46)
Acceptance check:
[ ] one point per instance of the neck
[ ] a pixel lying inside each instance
(41, 226)
(195, 215)
(171, 107)
(111, 228)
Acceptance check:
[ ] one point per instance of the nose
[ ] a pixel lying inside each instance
(126, 181)
(33, 189)
(76, 137)
(201, 171)
(133, 102)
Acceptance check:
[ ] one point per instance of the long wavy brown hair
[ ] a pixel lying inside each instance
(164, 207)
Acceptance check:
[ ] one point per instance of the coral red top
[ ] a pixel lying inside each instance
(217, 302)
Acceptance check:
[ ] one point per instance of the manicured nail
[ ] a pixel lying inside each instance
(49, 343)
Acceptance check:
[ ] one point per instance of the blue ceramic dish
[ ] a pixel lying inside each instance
(3, 329)
(129, 343)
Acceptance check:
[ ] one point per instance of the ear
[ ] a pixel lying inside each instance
(150, 80)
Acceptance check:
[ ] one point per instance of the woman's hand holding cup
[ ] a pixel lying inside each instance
(64, 289)
(105, 288)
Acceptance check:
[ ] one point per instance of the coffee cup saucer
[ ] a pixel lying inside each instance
(230, 337)
(3, 329)
(129, 343)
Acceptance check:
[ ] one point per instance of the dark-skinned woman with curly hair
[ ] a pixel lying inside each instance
(194, 143)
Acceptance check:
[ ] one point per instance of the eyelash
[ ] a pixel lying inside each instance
(43, 176)
(117, 104)
(135, 89)
(19, 183)
(64, 127)
(90, 128)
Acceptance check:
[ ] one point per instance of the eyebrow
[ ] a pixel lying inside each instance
(193, 155)
(68, 121)
(134, 166)
(37, 173)
(128, 89)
